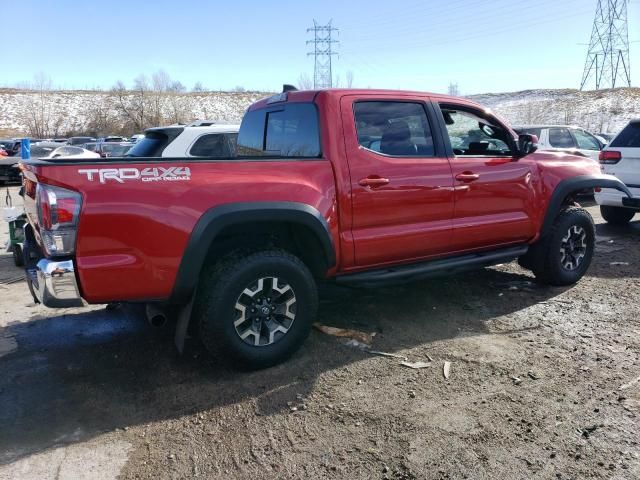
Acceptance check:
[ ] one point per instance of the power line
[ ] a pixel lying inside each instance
(322, 52)
(608, 55)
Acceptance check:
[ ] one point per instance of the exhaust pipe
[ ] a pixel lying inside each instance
(155, 315)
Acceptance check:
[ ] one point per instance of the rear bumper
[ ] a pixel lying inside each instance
(54, 283)
(614, 198)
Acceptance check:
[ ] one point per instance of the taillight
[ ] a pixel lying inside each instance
(58, 212)
(609, 157)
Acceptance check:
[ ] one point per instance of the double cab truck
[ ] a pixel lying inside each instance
(360, 187)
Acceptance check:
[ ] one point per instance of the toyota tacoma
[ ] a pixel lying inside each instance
(360, 187)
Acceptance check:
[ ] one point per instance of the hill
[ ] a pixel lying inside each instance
(58, 113)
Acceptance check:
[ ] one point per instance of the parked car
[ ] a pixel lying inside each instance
(622, 159)
(9, 170)
(114, 138)
(606, 137)
(193, 140)
(136, 138)
(109, 149)
(564, 137)
(51, 150)
(365, 187)
(80, 140)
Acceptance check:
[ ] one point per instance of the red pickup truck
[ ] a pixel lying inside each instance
(364, 187)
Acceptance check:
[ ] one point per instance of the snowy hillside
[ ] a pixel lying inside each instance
(78, 111)
(597, 111)
(68, 111)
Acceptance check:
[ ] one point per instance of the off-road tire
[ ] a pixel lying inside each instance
(215, 311)
(546, 257)
(616, 215)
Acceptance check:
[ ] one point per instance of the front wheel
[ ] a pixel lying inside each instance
(616, 215)
(563, 256)
(255, 310)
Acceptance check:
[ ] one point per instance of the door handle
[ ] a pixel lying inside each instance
(467, 177)
(373, 182)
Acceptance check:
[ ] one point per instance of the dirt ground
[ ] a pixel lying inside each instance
(540, 386)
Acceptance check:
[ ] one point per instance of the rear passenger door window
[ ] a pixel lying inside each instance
(212, 145)
(395, 129)
(561, 138)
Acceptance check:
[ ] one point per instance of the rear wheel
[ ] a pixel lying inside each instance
(616, 215)
(563, 256)
(255, 310)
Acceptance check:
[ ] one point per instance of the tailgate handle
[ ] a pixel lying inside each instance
(373, 181)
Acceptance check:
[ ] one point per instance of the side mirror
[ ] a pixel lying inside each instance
(527, 144)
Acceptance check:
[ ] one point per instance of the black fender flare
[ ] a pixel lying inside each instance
(576, 184)
(214, 220)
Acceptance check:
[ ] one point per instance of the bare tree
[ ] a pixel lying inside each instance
(180, 107)
(240, 89)
(453, 89)
(198, 88)
(38, 114)
(349, 77)
(305, 82)
(160, 82)
(132, 105)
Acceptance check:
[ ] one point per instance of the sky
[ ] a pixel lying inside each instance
(481, 45)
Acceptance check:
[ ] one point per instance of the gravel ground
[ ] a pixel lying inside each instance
(540, 386)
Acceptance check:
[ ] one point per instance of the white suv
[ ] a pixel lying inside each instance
(202, 138)
(622, 159)
(564, 137)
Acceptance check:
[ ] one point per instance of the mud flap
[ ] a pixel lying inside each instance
(182, 325)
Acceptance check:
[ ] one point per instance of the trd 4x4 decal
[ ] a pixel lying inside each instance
(149, 174)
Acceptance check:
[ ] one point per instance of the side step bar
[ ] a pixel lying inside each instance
(419, 271)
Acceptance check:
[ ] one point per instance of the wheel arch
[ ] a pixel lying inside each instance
(265, 216)
(567, 188)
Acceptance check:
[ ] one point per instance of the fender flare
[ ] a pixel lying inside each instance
(216, 219)
(576, 184)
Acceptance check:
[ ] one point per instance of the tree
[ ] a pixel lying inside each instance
(305, 82)
(198, 88)
(240, 89)
(453, 89)
(38, 115)
(132, 105)
(349, 77)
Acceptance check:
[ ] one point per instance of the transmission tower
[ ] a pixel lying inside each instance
(322, 52)
(608, 55)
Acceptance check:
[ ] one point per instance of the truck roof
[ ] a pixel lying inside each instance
(300, 96)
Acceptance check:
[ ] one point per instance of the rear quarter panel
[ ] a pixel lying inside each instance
(132, 235)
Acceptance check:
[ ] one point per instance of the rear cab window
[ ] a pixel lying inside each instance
(286, 130)
(629, 137)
